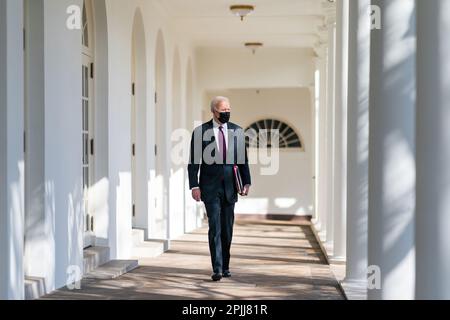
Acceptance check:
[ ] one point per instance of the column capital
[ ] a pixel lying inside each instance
(320, 50)
(329, 12)
(328, 5)
(322, 32)
(330, 21)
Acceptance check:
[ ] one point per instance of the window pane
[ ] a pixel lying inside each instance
(82, 81)
(85, 177)
(269, 132)
(85, 149)
(84, 115)
(86, 70)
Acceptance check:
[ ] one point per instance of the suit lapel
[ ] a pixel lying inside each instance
(231, 143)
(210, 126)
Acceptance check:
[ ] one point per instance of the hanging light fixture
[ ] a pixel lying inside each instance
(254, 46)
(242, 10)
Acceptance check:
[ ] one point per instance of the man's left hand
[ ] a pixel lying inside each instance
(246, 190)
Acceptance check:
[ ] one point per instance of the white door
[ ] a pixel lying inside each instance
(88, 149)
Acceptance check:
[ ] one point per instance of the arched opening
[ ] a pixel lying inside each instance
(94, 51)
(191, 207)
(177, 169)
(189, 97)
(139, 125)
(99, 190)
(160, 223)
(177, 110)
(87, 111)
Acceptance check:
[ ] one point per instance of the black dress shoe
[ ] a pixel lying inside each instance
(227, 274)
(216, 277)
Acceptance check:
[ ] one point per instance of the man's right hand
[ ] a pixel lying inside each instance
(197, 194)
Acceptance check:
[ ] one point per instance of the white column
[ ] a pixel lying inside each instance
(433, 150)
(330, 126)
(319, 118)
(314, 111)
(314, 147)
(392, 149)
(321, 144)
(11, 150)
(340, 137)
(63, 146)
(39, 243)
(119, 137)
(358, 140)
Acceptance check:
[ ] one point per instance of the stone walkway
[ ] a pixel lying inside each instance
(269, 261)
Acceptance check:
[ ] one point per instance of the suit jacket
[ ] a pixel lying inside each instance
(206, 159)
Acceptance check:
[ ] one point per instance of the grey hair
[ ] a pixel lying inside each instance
(216, 101)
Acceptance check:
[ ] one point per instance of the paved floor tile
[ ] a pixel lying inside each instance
(269, 261)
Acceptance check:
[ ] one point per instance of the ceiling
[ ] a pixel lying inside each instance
(276, 23)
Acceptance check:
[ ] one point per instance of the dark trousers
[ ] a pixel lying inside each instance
(221, 220)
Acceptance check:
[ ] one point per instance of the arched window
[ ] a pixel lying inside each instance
(85, 33)
(263, 133)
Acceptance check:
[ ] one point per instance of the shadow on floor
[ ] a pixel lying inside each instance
(269, 262)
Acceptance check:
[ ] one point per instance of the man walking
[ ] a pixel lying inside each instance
(217, 148)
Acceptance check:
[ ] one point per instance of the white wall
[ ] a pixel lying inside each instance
(290, 190)
(283, 76)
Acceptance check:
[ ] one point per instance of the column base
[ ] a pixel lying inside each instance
(337, 260)
(328, 247)
(323, 236)
(317, 224)
(354, 289)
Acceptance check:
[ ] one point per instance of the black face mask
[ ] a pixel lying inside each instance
(224, 117)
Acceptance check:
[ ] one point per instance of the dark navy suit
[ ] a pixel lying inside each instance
(217, 185)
